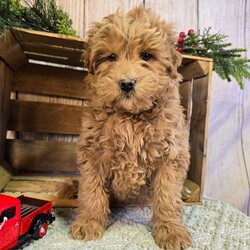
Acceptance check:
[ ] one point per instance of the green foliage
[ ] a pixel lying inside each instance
(42, 15)
(228, 62)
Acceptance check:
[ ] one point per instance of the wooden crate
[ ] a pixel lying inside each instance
(42, 95)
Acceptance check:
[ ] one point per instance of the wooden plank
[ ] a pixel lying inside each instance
(38, 37)
(45, 117)
(44, 189)
(53, 51)
(31, 186)
(198, 130)
(57, 60)
(27, 155)
(11, 52)
(183, 14)
(194, 70)
(5, 174)
(105, 7)
(57, 202)
(5, 92)
(48, 80)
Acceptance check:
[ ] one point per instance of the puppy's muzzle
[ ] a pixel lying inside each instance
(127, 85)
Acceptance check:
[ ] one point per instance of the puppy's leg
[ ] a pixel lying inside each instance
(89, 223)
(168, 231)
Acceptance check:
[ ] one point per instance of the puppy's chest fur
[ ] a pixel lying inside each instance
(130, 149)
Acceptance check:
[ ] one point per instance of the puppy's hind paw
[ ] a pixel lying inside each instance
(86, 230)
(67, 189)
(167, 240)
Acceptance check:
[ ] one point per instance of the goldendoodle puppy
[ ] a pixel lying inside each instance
(135, 133)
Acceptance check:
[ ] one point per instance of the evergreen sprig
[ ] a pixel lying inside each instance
(228, 62)
(41, 15)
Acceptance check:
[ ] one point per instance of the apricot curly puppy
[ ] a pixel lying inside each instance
(135, 133)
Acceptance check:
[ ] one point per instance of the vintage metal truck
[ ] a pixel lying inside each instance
(23, 218)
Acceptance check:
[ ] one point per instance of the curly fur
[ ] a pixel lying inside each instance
(136, 139)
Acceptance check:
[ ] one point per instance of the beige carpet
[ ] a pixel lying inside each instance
(213, 226)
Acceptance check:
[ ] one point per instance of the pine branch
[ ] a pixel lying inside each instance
(42, 15)
(228, 62)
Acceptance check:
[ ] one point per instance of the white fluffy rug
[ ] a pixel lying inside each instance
(213, 226)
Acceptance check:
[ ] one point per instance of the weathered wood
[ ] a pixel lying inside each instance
(47, 80)
(5, 91)
(11, 51)
(198, 130)
(57, 202)
(39, 37)
(41, 155)
(94, 14)
(51, 51)
(44, 186)
(194, 70)
(45, 117)
(31, 186)
(183, 14)
(5, 174)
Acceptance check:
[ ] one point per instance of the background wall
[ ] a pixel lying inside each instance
(228, 157)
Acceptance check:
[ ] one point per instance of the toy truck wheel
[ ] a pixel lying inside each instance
(40, 229)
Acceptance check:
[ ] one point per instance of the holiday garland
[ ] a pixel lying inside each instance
(41, 15)
(228, 62)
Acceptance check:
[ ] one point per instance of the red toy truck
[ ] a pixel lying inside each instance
(22, 218)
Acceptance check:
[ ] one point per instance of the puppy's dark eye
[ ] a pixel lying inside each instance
(145, 56)
(112, 58)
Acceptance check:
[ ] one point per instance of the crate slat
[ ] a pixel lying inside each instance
(52, 59)
(39, 37)
(196, 69)
(47, 80)
(43, 186)
(51, 50)
(45, 117)
(28, 155)
(11, 51)
(198, 129)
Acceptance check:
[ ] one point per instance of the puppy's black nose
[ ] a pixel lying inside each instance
(127, 85)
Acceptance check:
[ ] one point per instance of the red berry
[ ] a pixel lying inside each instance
(180, 49)
(180, 40)
(182, 34)
(191, 32)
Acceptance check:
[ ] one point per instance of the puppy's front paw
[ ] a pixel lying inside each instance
(175, 239)
(86, 230)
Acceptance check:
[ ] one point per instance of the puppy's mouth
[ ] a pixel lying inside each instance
(128, 95)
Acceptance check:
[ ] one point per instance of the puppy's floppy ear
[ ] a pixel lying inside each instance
(176, 57)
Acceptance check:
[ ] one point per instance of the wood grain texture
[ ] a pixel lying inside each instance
(5, 174)
(47, 80)
(227, 177)
(11, 51)
(32, 156)
(194, 70)
(183, 14)
(45, 117)
(95, 10)
(198, 130)
(6, 76)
